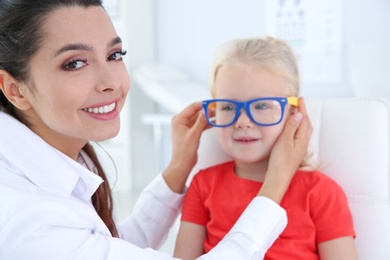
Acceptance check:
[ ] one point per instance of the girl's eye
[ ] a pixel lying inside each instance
(75, 64)
(228, 107)
(261, 106)
(117, 55)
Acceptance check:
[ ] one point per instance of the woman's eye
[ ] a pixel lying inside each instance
(75, 64)
(117, 55)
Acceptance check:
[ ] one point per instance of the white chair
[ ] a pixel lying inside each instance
(351, 143)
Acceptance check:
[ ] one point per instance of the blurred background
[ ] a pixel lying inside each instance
(342, 46)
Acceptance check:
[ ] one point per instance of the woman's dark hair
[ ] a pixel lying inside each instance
(20, 38)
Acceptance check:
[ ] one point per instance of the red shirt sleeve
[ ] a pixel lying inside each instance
(194, 209)
(330, 211)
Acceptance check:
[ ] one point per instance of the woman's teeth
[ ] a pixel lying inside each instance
(100, 110)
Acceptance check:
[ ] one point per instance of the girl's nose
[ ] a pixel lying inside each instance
(243, 120)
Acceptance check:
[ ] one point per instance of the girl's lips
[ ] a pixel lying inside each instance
(246, 139)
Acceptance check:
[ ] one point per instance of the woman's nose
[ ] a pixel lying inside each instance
(243, 120)
(108, 79)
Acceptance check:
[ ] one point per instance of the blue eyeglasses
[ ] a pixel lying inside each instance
(262, 111)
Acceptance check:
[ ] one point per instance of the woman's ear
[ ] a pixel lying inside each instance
(12, 90)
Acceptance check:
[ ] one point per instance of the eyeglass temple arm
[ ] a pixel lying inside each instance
(293, 101)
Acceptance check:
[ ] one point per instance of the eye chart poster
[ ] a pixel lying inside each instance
(313, 30)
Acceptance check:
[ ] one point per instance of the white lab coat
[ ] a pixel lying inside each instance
(46, 213)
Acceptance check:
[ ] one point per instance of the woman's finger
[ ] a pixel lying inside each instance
(199, 125)
(305, 129)
(187, 115)
(291, 126)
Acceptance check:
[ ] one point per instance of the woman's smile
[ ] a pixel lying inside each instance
(101, 110)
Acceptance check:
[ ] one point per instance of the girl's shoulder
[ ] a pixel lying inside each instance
(315, 177)
(315, 186)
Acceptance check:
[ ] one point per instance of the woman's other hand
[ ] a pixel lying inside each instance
(287, 154)
(187, 128)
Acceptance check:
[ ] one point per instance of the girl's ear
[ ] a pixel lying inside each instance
(12, 90)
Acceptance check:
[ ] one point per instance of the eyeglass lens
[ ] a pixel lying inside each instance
(262, 111)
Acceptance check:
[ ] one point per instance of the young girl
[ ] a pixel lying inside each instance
(63, 84)
(255, 83)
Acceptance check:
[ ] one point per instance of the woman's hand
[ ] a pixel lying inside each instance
(187, 128)
(287, 154)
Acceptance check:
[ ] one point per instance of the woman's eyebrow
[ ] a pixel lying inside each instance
(85, 47)
(74, 47)
(115, 41)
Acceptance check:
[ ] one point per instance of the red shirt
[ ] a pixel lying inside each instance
(316, 206)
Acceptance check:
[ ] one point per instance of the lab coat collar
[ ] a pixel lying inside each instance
(48, 168)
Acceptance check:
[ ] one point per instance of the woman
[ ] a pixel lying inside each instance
(63, 84)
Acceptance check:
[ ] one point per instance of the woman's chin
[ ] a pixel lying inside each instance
(104, 137)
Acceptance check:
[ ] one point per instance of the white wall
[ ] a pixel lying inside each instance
(368, 47)
(188, 33)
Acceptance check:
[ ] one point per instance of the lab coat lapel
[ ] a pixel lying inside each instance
(45, 166)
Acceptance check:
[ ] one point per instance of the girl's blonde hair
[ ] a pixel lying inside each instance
(272, 54)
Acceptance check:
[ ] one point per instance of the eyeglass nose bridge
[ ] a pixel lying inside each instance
(243, 106)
